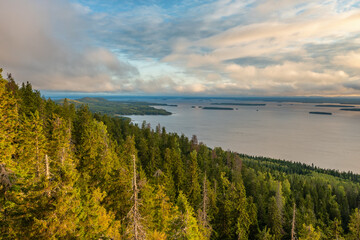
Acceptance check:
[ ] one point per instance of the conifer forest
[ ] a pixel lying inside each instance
(68, 173)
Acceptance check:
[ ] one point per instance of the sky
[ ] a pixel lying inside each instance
(189, 47)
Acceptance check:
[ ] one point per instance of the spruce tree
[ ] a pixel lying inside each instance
(354, 225)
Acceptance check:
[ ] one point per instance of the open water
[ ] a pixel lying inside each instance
(277, 130)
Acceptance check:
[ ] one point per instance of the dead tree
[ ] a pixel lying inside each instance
(47, 176)
(203, 217)
(293, 224)
(136, 228)
(47, 168)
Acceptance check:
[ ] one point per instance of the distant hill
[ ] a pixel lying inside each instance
(101, 105)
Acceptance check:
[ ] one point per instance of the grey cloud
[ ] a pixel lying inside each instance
(260, 62)
(47, 43)
(352, 85)
(161, 84)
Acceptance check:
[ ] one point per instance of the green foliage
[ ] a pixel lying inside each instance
(354, 225)
(309, 233)
(69, 174)
(9, 123)
(101, 105)
(189, 225)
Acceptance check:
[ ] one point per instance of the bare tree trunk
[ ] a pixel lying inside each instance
(204, 215)
(62, 158)
(37, 157)
(47, 175)
(135, 209)
(293, 224)
(47, 167)
(134, 215)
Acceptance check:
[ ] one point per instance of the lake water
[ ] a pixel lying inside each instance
(278, 130)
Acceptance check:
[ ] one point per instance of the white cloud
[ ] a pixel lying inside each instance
(350, 60)
(280, 38)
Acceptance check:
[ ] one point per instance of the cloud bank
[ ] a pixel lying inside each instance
(47, 43)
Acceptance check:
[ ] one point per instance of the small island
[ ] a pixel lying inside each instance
(351, 109)
(321, 113)
(240, 104)
(335, 105)
(217, 108)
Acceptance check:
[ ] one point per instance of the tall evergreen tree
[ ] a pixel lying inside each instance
(189, 225)
(9, 123)
(354, 225)
(194, 191)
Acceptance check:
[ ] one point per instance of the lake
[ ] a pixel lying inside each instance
(278, 130)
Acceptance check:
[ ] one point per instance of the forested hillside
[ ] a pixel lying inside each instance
(116, 108)
(72, 174)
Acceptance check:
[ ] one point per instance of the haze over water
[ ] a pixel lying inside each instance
(277, 130)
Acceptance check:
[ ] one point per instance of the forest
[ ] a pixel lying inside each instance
(69, 173)
(116, 108)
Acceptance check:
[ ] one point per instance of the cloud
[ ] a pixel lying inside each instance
(350, 60)
(219, 47)
(46, 43)
(353, 85)
(290, 49)
(289, 78)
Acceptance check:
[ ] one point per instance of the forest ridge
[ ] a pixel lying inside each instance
(68, 173)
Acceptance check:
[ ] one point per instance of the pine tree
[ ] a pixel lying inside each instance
(189, 225)
(265, 235)
(161, 216)
(205, 226)
(178, 168)
(309, 233)
(9, 123)
(119, 185)
(8, 132)
(194, 186)
(246, 212)
(96, 154)
(31, 100)
(168, 174)
(61, 219)
(354, 225)
(276, 213)
(32, 146)
(94, 221)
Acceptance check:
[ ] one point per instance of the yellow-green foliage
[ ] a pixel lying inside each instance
(67, 174)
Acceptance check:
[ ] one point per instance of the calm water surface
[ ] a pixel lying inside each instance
(277, 130)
